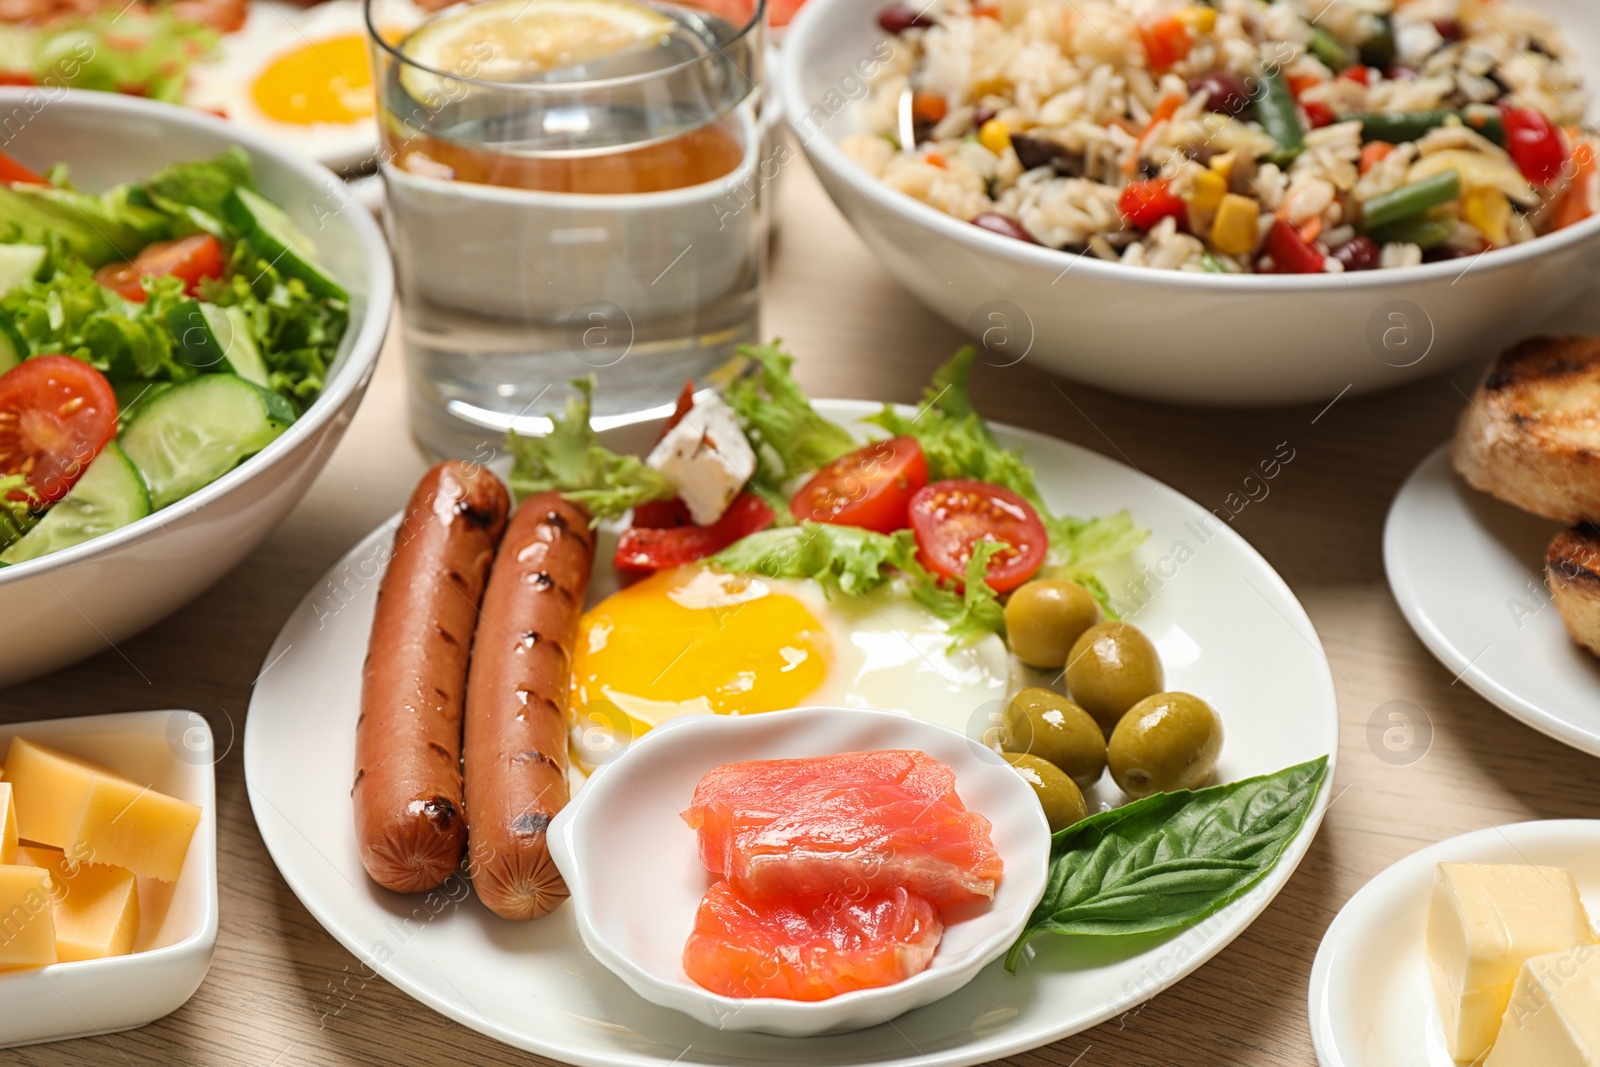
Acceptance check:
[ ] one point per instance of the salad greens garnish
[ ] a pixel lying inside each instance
(959, 444)
(1170, 860)
(570, 460)
(789, 436)
(854, 562)
(127, 49)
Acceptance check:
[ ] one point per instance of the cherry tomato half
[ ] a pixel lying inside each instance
(1535, 144)
(56, 414)
(191, 258)
(870, 487)
(948, 518)
(642, 549)
(12, 171)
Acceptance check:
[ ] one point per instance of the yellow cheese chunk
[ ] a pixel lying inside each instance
(125, 825)
(27, 920)
(48, 789)
(1553, 1019)
(96, 908)
(1484, 922)
(8, 825)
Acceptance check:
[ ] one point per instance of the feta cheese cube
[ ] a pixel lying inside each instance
(1484, 922)
(707, 457)
(1553, 1019)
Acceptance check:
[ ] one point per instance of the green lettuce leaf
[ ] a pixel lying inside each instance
(194, 191)
(93, 229)
(789, 436)
(72, 314)
(126, 49)
(959, 444)
(571, 461)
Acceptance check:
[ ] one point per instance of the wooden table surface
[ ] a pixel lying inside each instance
(278, 976)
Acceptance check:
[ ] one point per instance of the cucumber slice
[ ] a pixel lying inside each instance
(133, 396)
(108, 496)
(194, 433)
(18, 263)
(13, 349)
(280, 241)
(211, 338)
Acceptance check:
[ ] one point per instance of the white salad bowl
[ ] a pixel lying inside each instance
(1168, 335)
(172, 751)
(634, 871)
(84, 599)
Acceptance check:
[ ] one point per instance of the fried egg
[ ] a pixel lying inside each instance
(695, 641)
(301, 75)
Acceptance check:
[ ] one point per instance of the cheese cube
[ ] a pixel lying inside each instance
(1553, 1019)
(706, 457)
(27, 919)
(126, 825)
(8, 825)
(1484, 922)
(96, 908)
(48, 788)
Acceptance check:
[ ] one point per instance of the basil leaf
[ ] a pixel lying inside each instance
(1170, 860)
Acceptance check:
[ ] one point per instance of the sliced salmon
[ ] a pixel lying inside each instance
(808, 948)
(861, 822)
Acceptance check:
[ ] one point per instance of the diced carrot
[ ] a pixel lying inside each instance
(927, 107)
(1299, 83)
(986, 11)
(1374, 153)
(1577, 204)
(1164, 110)
(1311, 229)
(1166, 41)
(934, 159)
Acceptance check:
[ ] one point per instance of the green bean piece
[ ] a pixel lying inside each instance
(1379, 49)
(1212, 265)
(1425, 232)
(1333, 53)
(1410, 200)
(1275, 110)
(1397, 127)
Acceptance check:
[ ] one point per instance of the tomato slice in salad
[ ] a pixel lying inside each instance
(56, 414)
(12, 171)
(948, 518)
(870, 487)
(643, 549)
(191, 258)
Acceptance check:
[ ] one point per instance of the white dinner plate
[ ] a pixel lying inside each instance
(1371, 1000)
(1226, 625)
(1468, 573)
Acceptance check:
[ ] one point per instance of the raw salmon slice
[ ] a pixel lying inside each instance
(858, 822)
(808, 948)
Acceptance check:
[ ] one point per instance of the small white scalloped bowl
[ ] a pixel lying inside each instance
(636, 879)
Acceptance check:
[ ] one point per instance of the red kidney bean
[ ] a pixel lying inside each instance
(1358, 253)
(1004, 225)
(898, 18)
(1227, 91)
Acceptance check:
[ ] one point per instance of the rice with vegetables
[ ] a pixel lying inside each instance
(1237, 136)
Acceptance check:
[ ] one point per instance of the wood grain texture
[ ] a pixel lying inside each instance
(282, 992)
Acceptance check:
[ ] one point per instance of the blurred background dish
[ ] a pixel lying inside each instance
(1172, 335)
(76, 601)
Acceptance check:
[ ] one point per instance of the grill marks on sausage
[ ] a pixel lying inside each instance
(533, 756)
(529, 824)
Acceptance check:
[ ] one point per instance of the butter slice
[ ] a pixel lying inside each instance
(48, 789)
(8, 825)
(1553, 1019)
(1484, 922)
(27, 920)
(96, 908)
(125, 825)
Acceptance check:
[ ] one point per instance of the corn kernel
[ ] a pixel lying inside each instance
(995, 136)
(1208, 190)
(1489, 212)
(1198, 18)
(1237, 225)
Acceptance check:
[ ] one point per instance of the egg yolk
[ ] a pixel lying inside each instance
(320, 81)
(692, 641)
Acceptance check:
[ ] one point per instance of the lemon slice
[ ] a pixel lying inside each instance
(514, 40)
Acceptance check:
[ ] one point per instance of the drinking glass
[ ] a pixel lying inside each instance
(573, 189)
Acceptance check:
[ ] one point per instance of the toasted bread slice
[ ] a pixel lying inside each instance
(1531, 435)
(1572, 567)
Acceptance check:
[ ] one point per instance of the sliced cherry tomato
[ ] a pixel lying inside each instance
(640, 549)
(1166, 41)
(56, 414)
(1291, 253)
(12, 171)
(1318, 114)
(1534, 143)
(948, 518)
(870, 487)
(1143, 204)
(191, 258)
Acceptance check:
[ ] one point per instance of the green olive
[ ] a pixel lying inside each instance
(1043, 723)
(1111, 668)
(1044, 617)
(1058, 795)
(1165, 742)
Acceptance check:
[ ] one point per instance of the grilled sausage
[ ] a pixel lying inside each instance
(517, 697)
(410, 824)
